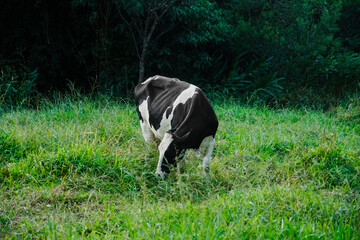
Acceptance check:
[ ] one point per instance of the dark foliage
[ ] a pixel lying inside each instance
(260, 48)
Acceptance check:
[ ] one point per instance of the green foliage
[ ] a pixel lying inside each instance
(336, 71)
(17, 85)
(203, 22)
(256, 78)
(299, 38)
(267, 50)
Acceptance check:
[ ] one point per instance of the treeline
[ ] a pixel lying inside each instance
(259, 47)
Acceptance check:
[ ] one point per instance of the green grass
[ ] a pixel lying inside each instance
(80, 169)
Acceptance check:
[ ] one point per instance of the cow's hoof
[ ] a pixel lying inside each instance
(206, 176)
(161, 174)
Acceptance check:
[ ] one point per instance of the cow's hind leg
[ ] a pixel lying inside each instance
(166, 153)
(146, 132)
(206, 148)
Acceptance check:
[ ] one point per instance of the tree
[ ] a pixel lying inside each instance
(142, 19)
(150, 20)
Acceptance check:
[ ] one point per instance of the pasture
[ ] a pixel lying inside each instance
(80, 169)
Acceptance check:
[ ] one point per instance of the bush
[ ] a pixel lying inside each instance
(17, 85)
(295, 42)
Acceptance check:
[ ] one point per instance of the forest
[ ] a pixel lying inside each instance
(289, 52)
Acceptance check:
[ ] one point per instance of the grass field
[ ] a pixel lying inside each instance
(80, 169)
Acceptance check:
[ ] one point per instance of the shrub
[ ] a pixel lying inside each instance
(17, 85)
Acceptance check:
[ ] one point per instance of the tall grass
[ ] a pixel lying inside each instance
(80, 169)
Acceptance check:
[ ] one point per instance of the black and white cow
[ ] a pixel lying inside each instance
(180, 116)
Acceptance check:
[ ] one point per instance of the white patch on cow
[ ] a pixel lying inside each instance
(165, 123)
(206, 148)
(156, 77)
(149, 79)
(185, 95)
(145, 126)
(165, 143)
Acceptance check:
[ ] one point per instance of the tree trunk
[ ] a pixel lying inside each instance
(146, 41)
(142, 61)
(148, 33)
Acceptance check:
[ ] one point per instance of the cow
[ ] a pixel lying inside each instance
(179, 116)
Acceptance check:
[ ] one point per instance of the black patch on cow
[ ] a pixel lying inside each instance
(196, 120)
(168, 112)
(169, 158)
(138, 112)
